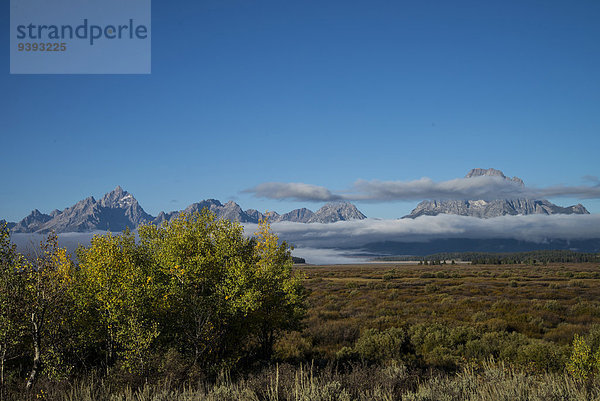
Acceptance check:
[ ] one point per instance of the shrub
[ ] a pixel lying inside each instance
(432, 288)
(581, 363)
(292, 346)
(585, 356)
(381, 346)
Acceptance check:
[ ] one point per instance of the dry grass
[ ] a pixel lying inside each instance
(493, 382)
(545, 302)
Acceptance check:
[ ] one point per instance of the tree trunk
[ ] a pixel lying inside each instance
(2, 359)
(109, 350)
(109, 341)
(267, 340)
(37, 354)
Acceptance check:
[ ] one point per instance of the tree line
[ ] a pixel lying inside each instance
(531, 257)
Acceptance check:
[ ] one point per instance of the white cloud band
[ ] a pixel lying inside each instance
(356, 233)
(482, 187)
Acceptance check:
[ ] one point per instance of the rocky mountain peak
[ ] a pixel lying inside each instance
(302, 215)
(492, 172)
(115, 211)
(493, 207)
(117, 198)
(478, 172)
(336, 211)
(90, 200)
(35, 213)
(34, 220)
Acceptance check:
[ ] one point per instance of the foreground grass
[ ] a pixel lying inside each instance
(286, 382)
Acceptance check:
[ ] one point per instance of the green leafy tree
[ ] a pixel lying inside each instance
(117, 291)
(281, 294)
(584, 362)
(201, 265)
(46, 279)
(224, 295)
(12, 322)
(581, 362)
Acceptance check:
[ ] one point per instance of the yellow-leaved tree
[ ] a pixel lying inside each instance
(584, 362)
(47, 279)
(117, 290)
(225, 295)
(13, 322)
(195, 288)
(281, 294)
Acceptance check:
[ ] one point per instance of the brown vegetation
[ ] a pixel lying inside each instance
(547, 303)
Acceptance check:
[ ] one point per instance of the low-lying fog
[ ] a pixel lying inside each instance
(341, 242)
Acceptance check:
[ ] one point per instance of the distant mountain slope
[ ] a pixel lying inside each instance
(118, 210)
(336, 211)
(298, 215)
(329, 213)
(229, 211)
(32, 222)
(493, 208)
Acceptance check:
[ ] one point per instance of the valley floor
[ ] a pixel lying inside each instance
(549, 303)
(396, 331)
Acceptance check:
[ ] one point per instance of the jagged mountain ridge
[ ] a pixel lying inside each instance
(329, 213)
(118, 210)
(336, 211)
(492, 208)
(115, 211)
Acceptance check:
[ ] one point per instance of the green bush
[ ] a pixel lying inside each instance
(584, 362)
(381, 346)
(292, 347)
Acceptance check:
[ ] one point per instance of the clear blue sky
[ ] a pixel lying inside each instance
(321, 92)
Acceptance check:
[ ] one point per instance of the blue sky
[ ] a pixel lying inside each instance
(319, 92)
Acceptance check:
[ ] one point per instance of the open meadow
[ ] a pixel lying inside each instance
(397, 331)
(549, 303)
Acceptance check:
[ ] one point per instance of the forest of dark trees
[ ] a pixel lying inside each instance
(532, 257)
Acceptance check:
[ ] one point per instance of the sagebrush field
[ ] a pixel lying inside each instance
(387, 331)
(465, 305)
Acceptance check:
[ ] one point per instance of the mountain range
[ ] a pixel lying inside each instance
(118, 210)
(493, 208)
